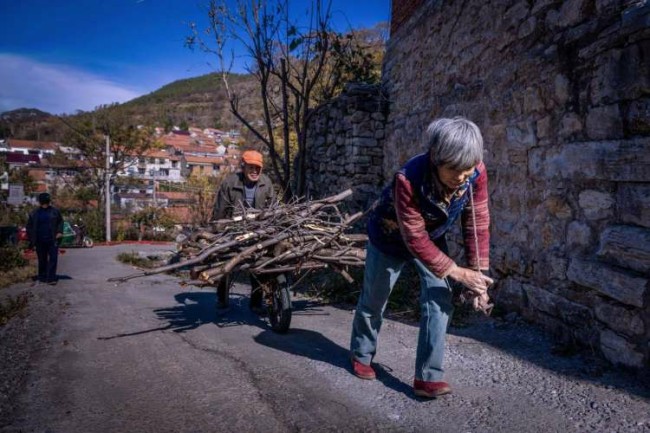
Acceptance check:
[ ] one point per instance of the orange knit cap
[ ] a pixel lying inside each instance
(252, 157)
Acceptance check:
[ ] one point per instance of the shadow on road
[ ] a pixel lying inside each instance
(316, 346)
(192, 310)
(533, 345)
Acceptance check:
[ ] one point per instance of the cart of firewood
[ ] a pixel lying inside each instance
(278, 246)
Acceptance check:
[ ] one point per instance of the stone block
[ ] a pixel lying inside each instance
(604, 122)
(556, 267)
(557, 206)
(605, 78)
(596, 205)
(609, 281)
(552, 18)
(515, 14)
(618, 161)
(527, 28)
(579, 236)
(542, 300)
(539, 5)
(632, 203)
(622, 75)
(363, 130)
(532, 101)
(620, 319)
(638, 117)
(618, 350)
(626, 246)
(603, 6)
(562, 89)
(544, 127)
(364, 142)
(572, 12)
(509, 260)
(537, 167)
(568, 312)
(510, 295)
(637, 17)
(521, 135)
(571, 125)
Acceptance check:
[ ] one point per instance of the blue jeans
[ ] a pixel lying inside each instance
(436, 308)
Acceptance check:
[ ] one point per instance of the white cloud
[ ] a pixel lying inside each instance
(54, 88)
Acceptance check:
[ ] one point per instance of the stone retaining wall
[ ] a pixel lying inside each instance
(344, 146)
(561, 91)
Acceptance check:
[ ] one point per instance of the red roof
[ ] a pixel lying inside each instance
(176, 195)
(30, 144)
(204, 159)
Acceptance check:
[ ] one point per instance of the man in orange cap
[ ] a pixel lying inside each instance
(247, 189)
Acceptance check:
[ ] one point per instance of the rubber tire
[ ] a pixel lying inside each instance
(87, 242)
(280, 308)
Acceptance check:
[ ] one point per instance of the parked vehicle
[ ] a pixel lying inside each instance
(8, 235)
(75, 235)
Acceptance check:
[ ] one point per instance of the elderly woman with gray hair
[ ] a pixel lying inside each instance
(408, 224)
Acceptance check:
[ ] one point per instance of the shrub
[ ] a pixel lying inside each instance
(133, 258)
(10, 258)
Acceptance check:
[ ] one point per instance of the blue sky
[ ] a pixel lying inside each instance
(65, 55)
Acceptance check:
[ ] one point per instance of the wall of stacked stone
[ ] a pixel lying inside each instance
(561, 91)
(345, 146)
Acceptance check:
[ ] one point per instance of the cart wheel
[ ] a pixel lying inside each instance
(280, 306)
(87, 242)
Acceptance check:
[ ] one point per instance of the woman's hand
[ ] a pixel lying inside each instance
(475, 281)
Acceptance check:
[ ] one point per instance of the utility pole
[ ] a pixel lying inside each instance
(153, 177)
(108, 188)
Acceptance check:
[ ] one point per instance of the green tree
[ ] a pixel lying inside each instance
(21, 176)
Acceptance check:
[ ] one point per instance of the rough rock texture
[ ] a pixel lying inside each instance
(560, 91)
(344, 142)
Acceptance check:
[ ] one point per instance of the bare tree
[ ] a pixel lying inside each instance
(299, 62)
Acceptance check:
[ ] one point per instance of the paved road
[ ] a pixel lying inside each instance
(150, 355)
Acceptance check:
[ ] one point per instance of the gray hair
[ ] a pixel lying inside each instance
(456, 142)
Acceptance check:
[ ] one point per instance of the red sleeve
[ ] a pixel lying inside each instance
(413, 230)
(481, 219)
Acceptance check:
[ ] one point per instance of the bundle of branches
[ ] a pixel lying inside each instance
(282, 238)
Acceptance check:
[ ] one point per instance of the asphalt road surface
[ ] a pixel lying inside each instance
(152, 355)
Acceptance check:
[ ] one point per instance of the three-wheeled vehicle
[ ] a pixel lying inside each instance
(75, 235)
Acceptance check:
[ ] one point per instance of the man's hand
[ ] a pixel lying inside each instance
(475, 281)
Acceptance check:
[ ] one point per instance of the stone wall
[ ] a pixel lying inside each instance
(344, 146)
(561, 91)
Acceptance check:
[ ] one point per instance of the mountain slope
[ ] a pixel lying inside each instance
(199, 101)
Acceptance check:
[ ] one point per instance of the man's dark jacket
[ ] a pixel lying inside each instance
(55, 224)
(231, 198)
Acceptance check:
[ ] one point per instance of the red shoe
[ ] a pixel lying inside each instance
(363, 371)
(430, 389)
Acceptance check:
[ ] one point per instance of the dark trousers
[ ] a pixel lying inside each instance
(47, 253)
(257, 296)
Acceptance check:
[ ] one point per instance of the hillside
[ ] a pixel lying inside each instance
(199, 101)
